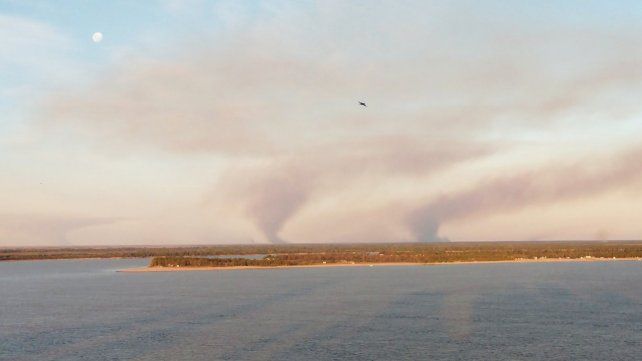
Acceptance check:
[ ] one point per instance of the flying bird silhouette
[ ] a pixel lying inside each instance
(362, 103)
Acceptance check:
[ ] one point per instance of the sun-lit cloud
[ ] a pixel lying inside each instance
(38, 229)
(257, 115)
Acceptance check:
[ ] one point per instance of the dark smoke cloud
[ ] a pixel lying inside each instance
(554, 184)
(273, 200)
(272, 194)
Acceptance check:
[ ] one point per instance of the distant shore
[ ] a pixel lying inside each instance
(334, 254)
(334, 265)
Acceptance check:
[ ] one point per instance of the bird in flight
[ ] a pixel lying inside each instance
(362, 103)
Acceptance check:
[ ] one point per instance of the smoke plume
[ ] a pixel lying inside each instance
(553, 184)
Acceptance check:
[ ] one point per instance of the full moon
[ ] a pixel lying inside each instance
(97, 37)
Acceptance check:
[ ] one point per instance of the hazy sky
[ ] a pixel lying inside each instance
(238, 121)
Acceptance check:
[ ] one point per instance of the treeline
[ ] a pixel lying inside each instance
(388, 252)
(419, 254)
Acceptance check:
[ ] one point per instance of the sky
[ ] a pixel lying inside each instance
(226, 122)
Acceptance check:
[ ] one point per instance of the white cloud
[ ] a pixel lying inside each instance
(32, 48)
(272, 95)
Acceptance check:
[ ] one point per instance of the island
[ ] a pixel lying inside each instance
(406, 254)
(254, 256)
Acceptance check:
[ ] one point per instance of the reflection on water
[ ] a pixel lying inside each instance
(456, 311)
(83, 309)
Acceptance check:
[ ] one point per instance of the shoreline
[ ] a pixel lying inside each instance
(387, 264)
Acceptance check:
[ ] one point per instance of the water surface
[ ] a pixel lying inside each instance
(84, 310)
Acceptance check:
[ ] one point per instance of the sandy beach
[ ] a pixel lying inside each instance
(234, 268)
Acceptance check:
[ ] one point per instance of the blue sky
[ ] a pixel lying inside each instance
(228, 121)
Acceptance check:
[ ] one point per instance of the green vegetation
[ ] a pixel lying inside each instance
(413, 253)
(306, 254)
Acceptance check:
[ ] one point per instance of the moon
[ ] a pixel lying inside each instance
(97, 37)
